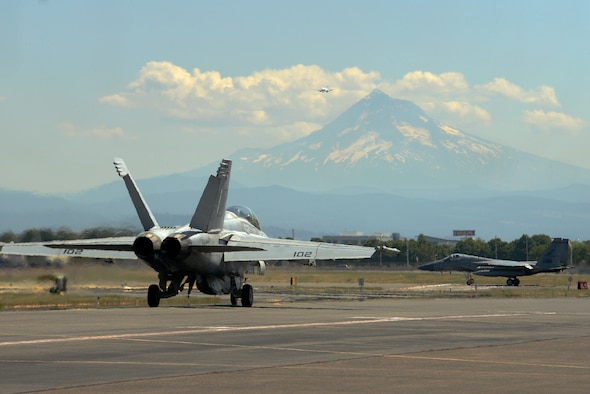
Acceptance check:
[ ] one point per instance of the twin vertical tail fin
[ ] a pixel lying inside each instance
(210, 212)
(556, 256)
(146, 217)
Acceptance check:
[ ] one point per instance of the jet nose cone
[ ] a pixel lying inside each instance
(427, 267)
(433, 266)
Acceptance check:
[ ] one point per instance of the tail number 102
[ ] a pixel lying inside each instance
(302, 254)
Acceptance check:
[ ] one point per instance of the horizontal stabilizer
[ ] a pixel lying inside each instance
(224, 248)
(272, 249)
(386, 249)
(121, 248)
(115, 248)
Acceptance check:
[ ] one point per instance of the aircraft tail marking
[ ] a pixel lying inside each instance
(210, 212)
(146, 217)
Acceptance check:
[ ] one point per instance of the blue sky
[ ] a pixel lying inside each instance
(171, 86)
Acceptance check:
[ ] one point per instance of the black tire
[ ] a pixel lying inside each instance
(247, 296)
(153, 296)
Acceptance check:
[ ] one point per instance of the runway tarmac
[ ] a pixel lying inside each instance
(388, 345)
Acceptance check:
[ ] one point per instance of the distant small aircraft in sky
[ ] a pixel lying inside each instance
(325, 89)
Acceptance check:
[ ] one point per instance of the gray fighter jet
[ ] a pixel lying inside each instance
(555, 259)
(214, 250)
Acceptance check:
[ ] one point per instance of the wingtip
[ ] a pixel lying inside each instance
(120, 167)
(224, 167)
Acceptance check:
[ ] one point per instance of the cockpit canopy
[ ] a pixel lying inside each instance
(245, 213)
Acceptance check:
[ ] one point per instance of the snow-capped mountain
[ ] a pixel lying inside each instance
(381, 166)
(382, 143)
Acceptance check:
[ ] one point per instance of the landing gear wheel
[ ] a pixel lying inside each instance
(516, 282)
(470, 281)
(153, 297)
(233, 299)
(247, 296)
(509, 282)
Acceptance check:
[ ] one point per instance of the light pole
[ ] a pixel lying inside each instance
(407, 253)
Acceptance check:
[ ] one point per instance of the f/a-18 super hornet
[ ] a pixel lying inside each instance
(214, 250)
(555, 259)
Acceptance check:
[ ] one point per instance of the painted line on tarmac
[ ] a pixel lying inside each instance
(214, 329)
(475, 361)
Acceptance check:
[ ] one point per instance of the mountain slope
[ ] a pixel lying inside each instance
(381, 166)
(381, 143)
(282, 210)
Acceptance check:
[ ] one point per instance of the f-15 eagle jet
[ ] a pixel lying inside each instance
(554, 259)
(214, 250)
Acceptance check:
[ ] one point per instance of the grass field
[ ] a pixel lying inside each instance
(101, 285)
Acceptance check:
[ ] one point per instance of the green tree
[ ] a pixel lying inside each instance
(31, 235)
(8, 236)
(498, 249)
(581, 253)
(476, 247)
(64, 233)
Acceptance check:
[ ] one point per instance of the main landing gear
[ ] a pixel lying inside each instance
(153, 296)
(175, 286)
(512, 281)
(246, 294)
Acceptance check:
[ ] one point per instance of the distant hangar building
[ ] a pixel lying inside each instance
(359, 238)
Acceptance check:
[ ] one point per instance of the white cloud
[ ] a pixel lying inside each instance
(467, 111)
(553, 120)
(276, 105)
(101, 132)
(269, 97)
(447, 96)
(544, 95)
(427, 83)
(116, 99)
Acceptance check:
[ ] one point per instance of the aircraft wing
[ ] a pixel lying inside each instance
(272, 249)
(114, 248)
(508, 265)
(505, 268)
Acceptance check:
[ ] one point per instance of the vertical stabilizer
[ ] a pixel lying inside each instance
(143, 211)
(556, 255)
(210, 212)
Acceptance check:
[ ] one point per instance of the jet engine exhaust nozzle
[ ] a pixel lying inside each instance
(175, 247)
(146, 245)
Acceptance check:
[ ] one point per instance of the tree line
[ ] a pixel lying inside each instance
(65, 234)
(419, 251)
(413, 251)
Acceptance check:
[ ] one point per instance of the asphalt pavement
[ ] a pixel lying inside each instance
(366, 345)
